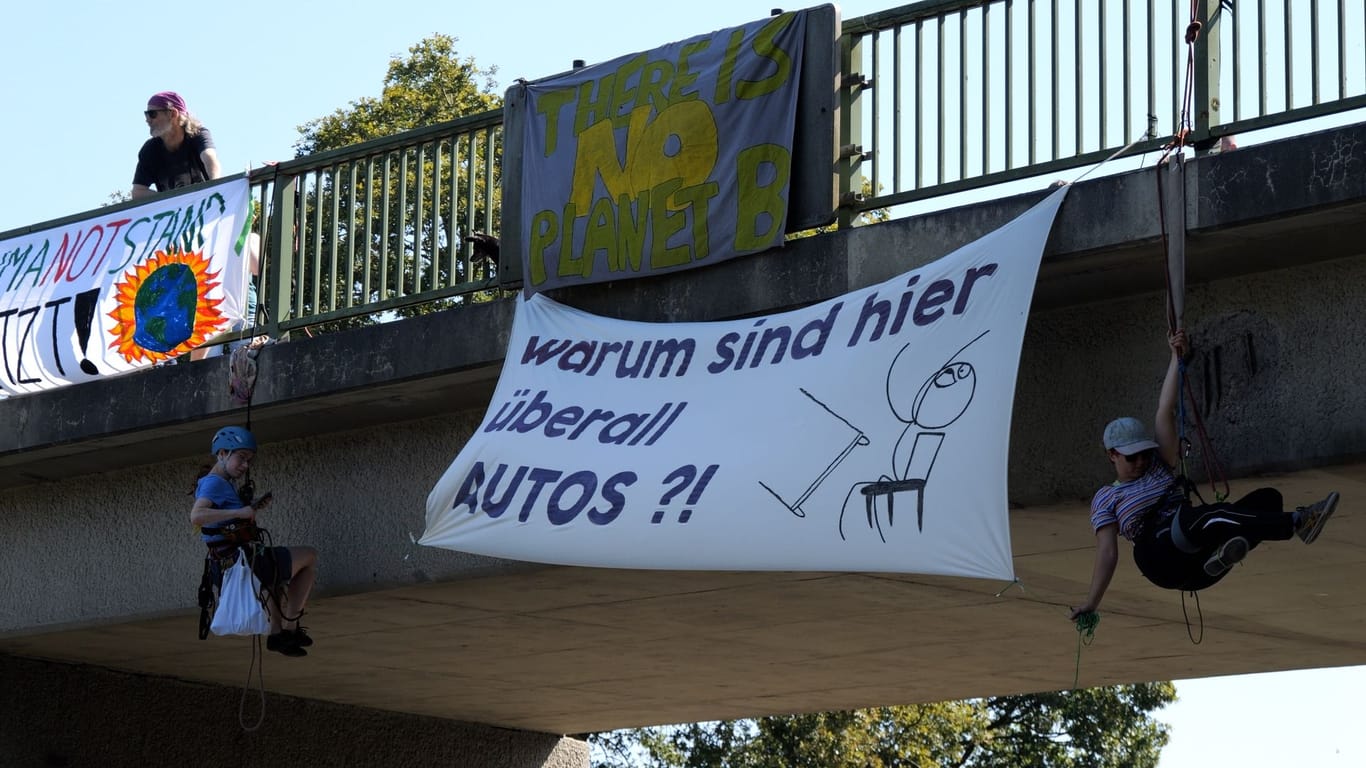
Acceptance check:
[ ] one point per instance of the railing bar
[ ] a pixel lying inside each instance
(919, 107)
(939, 113)
(386, 194)
(1289, 58)
(986, 88)
(1342, 49)
(1031, 93)
(316, 247)
(436, 217)
(876, 132)
(1237, 88)
(470, 160)
(419, 241)
(1009, 53)
(1261, 57)
(369, 228)
(333, 250)
(1079, 66)
(458, 245)
(897, 154)
(1102, 74)
(401, 241)
(1127, 124)
(1056, 75)
(963, 93)
(1314, 85)
(1178, 68)
(1151, 116)
(351, 234)
(491, 142)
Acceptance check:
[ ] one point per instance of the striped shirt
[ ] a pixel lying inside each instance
(1129, 504)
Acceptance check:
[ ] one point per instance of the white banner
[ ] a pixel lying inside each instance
(866, 433)
(115, 292)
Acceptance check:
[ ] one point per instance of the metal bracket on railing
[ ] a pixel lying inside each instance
(850, 199)
(854, 150)
(857, 81)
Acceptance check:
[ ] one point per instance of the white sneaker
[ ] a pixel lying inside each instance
(1312, 518)
(1229, 554)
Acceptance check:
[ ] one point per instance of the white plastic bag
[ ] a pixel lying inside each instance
(239, 609)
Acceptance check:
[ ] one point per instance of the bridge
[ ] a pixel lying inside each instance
(429, 655)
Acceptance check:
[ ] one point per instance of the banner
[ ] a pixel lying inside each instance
(866, 433)
(115, 292)
(659, 161)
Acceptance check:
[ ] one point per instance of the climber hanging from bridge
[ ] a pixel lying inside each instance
(1177, 544)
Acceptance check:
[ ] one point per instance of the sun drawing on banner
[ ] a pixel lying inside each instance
(164, 307)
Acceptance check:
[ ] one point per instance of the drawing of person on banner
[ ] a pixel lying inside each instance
(938, 402)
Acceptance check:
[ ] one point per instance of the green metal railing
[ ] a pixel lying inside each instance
(379, 227)
(939, 96)
(949, 95)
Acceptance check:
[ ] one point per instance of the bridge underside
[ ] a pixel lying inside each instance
(572, 650)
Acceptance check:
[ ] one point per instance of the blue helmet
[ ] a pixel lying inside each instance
(232, 439)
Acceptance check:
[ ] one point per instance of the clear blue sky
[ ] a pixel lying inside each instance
(75, 77)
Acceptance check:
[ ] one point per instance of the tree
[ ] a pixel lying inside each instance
(1098, 727)
(408, 243)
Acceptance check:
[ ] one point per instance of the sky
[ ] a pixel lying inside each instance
(75, 77)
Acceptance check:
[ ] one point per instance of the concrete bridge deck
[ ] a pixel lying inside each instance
(359, 424)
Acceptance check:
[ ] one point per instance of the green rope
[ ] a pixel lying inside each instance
(1086, 633)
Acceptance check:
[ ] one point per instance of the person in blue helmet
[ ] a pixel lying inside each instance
(1178, 545)
(228, 517)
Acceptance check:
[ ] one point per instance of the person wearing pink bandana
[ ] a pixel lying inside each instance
(180, 152)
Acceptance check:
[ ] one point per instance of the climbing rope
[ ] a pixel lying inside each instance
(1086, 634)
(1199, 618)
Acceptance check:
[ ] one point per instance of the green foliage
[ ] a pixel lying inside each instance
(1096, 728)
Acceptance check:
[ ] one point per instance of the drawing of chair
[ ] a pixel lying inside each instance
(917, 473)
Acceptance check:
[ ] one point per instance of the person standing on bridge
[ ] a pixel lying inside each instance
(1178, 545)
(227, 518)
(180, 152)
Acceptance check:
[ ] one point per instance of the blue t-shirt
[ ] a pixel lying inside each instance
(223, 496)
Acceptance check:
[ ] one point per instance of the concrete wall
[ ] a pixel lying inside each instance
(1275, 372)
(59, 715)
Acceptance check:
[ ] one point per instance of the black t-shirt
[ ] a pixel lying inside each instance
(165, 170)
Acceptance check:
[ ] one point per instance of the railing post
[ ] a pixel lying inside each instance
(280, 261)
(851, 87)
(1205, 101)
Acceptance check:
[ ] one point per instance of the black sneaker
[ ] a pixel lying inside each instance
(1310, 520)
(1229, 554)
(299, 637)
(283, 642)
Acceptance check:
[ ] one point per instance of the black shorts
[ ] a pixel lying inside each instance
(273, 566)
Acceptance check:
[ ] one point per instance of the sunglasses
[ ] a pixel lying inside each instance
(151, 113)
(1131, 459)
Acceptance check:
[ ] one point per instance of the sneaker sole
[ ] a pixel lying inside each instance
(1329, 504)
(1230, 554)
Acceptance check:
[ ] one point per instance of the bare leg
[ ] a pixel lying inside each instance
(305, 564)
